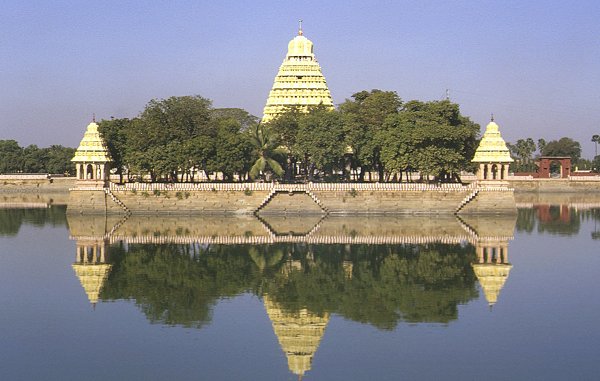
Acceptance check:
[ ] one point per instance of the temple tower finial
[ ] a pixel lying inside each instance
(300, 33)
(492, 118)
(94, 117)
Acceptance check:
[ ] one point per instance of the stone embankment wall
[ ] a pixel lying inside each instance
(35, 183)
(574, 184)
(212, 229)
(267, 198)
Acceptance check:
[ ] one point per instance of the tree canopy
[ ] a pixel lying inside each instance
(563, 147)
(55, 159)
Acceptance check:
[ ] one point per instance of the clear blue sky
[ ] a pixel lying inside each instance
(534, 64)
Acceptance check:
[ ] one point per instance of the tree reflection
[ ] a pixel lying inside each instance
(178, 284)
(380, 285)
(12, 219)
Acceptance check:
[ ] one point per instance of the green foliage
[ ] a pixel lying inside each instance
(157, 139)
(364, 117)
(241, 116)
(12, 219)
(320, 143)
(522, 151)
(430, 137)
(563, 147)
(179, 284)
(114, 132)
(596, 163)
(266, 148)
(233, 151)
(55, 159)
(174, 138)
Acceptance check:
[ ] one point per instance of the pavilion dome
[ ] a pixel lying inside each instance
(492, 148)
(92, 148)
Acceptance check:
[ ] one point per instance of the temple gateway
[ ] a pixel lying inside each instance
(299, 82)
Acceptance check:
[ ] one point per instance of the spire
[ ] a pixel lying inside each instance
(492, 118)
(299, 81)
(94, 117)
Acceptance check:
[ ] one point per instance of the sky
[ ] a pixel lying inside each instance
(534, 64)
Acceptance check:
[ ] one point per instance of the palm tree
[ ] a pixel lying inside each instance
(266, 147)
(596, 140)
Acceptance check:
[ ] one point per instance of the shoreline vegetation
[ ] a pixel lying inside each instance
(374, 136)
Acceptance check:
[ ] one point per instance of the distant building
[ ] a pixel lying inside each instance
(299, 82)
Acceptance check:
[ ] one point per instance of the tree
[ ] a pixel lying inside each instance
(11, 155)
(563, 147)
(233, 150)
(285, 129)
(243, 117)
(541, 143)
(596, 163)
(265, 148)
(114, 132)
(431, 137)
(596, 139)
(58, 159)
(320, 143)
(523, 151)
(157, 140)
(364, 115)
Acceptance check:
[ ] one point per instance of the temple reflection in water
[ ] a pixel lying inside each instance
(375, 270)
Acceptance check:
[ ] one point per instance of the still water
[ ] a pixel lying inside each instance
(387, 298)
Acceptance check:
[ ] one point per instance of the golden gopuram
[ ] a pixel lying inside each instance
(299, 82)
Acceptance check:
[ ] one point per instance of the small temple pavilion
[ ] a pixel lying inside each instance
(92, 159)
(492, 270)
(91, 268)
(299, 82)
(492, 155)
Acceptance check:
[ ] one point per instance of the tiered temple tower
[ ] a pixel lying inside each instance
(299, 334)
(493, 157)
(92, 159)
(299, 82)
